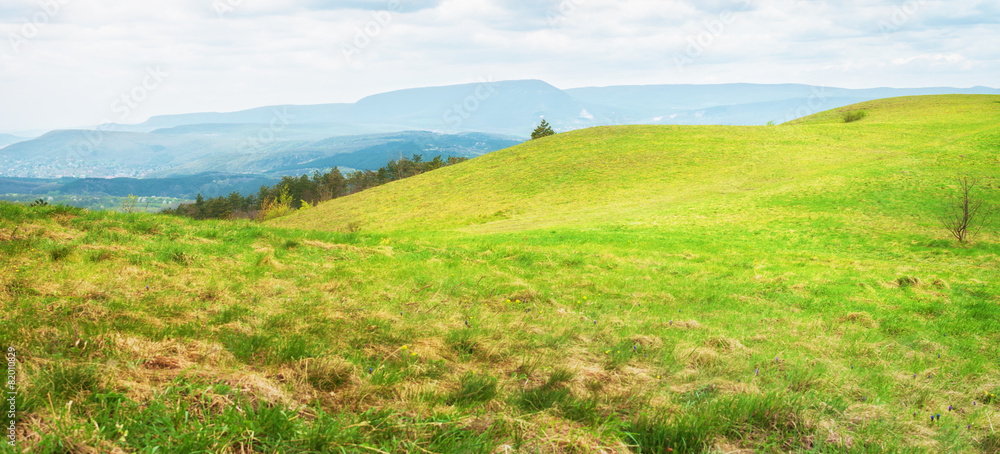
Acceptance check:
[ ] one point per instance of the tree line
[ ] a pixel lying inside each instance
(293, 192)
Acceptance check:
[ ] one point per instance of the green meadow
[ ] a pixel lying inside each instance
(645, 289)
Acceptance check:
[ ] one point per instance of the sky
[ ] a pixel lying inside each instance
(75, 63)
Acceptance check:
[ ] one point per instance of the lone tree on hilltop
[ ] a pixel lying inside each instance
(543, 130)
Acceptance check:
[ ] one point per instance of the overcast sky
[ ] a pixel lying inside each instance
(69, 63)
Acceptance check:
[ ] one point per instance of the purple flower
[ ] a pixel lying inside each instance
(757, 372)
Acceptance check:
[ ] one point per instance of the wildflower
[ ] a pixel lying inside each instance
(405, 347)
(949, 408)
(756, 372)
(413, 354)
(607, 351)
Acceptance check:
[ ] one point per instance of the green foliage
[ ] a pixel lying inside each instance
(273, 208)
(543, 130)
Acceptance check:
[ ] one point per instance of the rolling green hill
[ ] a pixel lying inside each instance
(637, 289)
(901, 156)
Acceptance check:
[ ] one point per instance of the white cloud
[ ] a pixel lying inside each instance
(87, 54)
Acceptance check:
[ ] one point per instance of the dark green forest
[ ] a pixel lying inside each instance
(310, 189)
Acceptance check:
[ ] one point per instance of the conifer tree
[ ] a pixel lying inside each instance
(543, 130)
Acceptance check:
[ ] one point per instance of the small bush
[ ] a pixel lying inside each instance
(853, 116)
(276, 207)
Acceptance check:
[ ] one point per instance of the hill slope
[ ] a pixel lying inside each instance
(649, 174)
(694, 289)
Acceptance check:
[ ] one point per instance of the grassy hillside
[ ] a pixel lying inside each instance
(642, 289)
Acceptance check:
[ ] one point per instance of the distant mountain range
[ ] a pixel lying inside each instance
(7, 139)
(227, 149)
(459, 120)
(515, 107)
